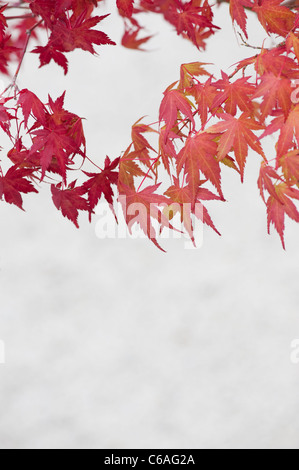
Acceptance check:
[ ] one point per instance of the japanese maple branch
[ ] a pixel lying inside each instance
(20, 17)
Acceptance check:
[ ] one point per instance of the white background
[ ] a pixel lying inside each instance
(113, 344)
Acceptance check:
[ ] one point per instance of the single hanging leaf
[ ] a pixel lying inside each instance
(204, 95)
(14, 183)
(276, 91)
(130, 39)
(101, 184)
(289, 130)
(274, 17)
(234, 94)
(199, 154)
(267, 173)
(292, 41)
(70, 201)
(140, 207)
(280, 205)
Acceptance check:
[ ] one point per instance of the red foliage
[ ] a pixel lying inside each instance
(190, 149)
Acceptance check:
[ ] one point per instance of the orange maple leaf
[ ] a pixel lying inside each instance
(199, 154)
(274, 17)
(181, 201)
(278, 207)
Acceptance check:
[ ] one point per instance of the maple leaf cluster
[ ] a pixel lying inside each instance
(172, 169)
(47, 139)
(207, 122)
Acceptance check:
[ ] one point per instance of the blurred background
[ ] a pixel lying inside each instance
(113, 344)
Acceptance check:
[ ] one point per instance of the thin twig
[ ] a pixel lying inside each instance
(29, 32)
(244, 43)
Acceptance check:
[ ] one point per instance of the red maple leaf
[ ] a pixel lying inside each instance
(77, 33)
(139, 207)
(5, 117)
(79, 6)
(292, 41)
(130, 39)
(189, 71)
(129, 168)
(289, 164)
(3, 22)
(52, 143)
(31, 105)
(6, 52)
(204, 95)
(274, 17)
(141, 144)
(101, 184)
(125, 7)
(199, 154)
(235, 94)
(289, 129)
(238, 14)
(48, 53)
(237, 135)
(70, 34)
(276, 91)
(173, 102)
(267, 173)
(182, 203)
(279, 206)
(69, 201)
(167, 149)
(14, 183)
